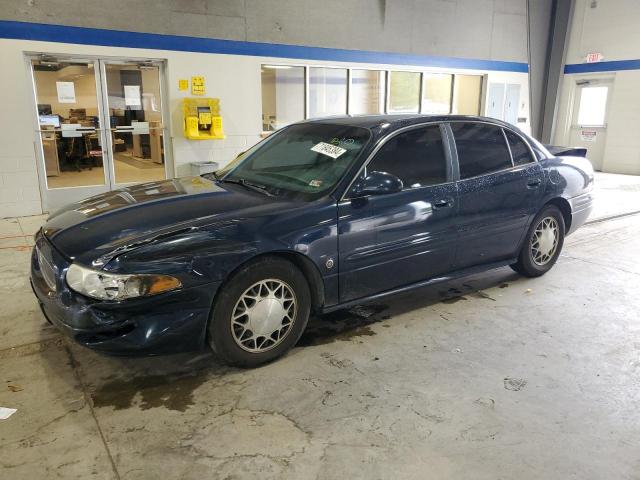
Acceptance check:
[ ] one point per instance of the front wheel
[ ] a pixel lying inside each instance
(260, 313)
(543, 243)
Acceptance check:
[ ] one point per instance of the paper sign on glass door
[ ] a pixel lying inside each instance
(66, 92)
(132, 95)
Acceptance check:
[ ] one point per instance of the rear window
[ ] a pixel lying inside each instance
(519, 151)
(481, 149)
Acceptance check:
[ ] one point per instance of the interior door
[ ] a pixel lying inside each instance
(133, 108)
(99, 126)
(387, 241)
(503, 102)
(495, 103)
(70, 129)
(511, 103)
(589, 118)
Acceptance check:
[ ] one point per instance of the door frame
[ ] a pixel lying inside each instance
(101, 98)
(169, 170)
(572, 105)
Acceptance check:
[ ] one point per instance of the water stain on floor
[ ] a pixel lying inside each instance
(453, 299)
(171, 392)
(453, 295)
(343, 325)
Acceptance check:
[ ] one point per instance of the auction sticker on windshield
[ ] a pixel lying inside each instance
(328, 149)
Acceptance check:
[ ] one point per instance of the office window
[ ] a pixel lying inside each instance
(404, 92)
(481, 149)
(366, 94)
(436, 93)
(519, 151)
(282, 96)
(327, 91)
(467, 91)
(416, 157)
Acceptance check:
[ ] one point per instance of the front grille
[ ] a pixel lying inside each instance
(47, 270)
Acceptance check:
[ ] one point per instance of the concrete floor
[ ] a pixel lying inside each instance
(493, 376)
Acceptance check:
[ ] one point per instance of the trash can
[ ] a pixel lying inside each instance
(200, 168)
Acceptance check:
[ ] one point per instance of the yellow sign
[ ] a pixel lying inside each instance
(183, 84)
(197, 85)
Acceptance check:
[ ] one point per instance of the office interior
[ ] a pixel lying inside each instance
(74, 142)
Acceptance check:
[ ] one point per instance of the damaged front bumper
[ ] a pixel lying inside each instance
(167, 323)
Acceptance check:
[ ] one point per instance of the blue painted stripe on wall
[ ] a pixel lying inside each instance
(612, 66)
(117, 38)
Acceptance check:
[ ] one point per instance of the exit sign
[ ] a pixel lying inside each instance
(594, 57)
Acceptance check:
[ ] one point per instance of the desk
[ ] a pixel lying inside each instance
(137, 145)
(155, 144)
(50, 151)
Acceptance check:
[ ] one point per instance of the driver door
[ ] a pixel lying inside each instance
(391, 240)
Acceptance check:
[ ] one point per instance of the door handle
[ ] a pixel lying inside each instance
(534, 183)
(444, 203)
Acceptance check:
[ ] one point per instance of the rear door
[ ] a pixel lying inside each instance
(391, 240)
(499, 187)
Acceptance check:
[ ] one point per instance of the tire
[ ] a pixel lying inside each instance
(267, 294)
(534, 261)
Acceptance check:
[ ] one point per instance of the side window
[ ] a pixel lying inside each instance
(519, 151)
(481, 149)
(416, 157)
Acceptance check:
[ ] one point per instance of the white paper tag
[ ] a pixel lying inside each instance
(328, 149)
(66, 92)
(6, 412)
(140, 128)
(70, 130)
(132, 95)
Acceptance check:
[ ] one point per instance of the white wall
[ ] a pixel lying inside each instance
(233, 79)
(611, 28)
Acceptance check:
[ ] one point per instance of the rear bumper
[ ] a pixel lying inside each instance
(581, 207)
(167, 323)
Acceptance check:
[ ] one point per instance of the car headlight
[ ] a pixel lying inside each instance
(110, 286)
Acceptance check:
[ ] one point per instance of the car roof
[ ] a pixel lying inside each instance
(395, 121)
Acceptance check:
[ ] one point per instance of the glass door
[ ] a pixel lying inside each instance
(133, 107)
(70, 130)
(99, 125)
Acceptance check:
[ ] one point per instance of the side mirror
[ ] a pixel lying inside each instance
(378, 183)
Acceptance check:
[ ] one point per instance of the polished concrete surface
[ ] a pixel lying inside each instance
(492, 376)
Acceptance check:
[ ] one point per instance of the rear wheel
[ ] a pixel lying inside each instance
(543, 243)
(260, 313)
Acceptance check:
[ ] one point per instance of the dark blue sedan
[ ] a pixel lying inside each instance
(319, 216)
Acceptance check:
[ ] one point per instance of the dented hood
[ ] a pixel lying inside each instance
(101, 226)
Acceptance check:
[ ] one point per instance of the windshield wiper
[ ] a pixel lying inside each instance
(252, 186)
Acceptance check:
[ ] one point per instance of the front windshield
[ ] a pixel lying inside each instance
(303, 161)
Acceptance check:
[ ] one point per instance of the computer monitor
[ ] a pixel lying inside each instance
(44, 109)
(50, 121)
